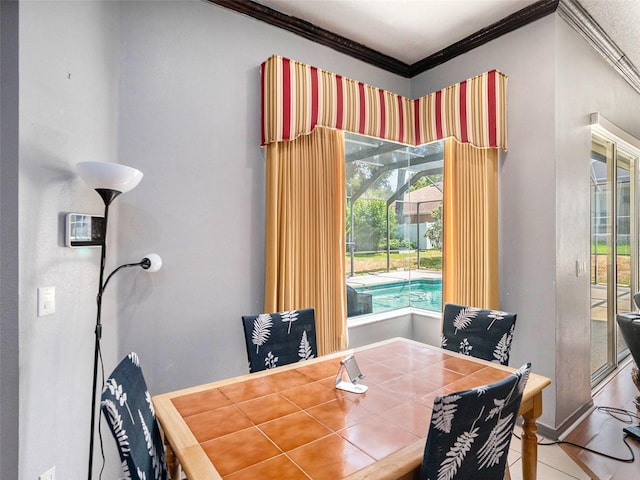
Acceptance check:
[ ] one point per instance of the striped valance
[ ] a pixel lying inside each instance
(297, 97)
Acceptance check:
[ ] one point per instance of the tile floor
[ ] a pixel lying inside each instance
(553, 463)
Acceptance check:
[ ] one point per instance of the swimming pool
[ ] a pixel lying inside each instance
(425, 293)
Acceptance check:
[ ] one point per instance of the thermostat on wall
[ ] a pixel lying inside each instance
(84, 230)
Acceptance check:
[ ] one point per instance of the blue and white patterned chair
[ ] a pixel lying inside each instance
(275, 339)
(485, 334)
(126, 405)
(470, 431)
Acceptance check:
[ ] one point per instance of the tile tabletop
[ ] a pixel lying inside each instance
(294, 424)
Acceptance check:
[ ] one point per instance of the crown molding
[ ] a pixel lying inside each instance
(316, 34)
(569, 10)
(516, 20)
(578, 18)
(361, 52)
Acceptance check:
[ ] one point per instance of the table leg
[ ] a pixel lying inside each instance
(172, 462)
(529, 449)
(530, 439)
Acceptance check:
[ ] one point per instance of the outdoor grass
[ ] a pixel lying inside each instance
(601, 248)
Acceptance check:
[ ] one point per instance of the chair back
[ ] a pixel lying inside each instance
(636, 300)
(485, 334)
(470, 431)
(358, 303)
(629, 324)
(275, 339)
(126, 405)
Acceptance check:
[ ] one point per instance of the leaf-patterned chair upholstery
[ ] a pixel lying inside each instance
(275, 339)
(485, 334)
(470, 431)
(126, 405)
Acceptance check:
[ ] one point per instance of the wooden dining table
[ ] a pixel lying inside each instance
(291, 423)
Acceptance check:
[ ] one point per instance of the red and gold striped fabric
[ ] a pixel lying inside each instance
(297, 97)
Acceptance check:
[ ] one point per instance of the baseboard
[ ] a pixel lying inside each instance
(566, 427)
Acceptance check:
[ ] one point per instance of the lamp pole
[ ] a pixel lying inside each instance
(108, 196)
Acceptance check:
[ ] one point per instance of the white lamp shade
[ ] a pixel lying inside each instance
(111, 176)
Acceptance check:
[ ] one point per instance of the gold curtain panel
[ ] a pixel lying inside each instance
(470, 226)
(305, 232)
(297, 97)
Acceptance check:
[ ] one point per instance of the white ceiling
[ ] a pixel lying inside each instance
(621, 20)
(410, 30)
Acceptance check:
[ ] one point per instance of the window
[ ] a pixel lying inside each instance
(394, 225)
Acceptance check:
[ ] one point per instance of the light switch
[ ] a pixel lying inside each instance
(581, 268)
(46, 301)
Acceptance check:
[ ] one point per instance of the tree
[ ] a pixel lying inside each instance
(426, 181)
(370, 224)
(434, 230)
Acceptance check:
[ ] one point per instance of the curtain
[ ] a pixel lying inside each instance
(305, 232)
(470, 226)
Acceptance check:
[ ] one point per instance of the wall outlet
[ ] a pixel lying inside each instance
(49, 474)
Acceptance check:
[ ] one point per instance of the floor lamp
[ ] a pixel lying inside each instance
(109, 180)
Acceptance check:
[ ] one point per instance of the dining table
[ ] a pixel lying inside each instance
(291, 422)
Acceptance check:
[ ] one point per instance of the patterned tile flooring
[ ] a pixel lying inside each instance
(553, 462)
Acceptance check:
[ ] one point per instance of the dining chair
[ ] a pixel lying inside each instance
(629, 324)
(636, 299)
(280, 338)
(470, 430)
(480, 333)
(126, 405)
(358, 303)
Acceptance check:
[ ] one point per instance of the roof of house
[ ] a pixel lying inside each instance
(427, 198)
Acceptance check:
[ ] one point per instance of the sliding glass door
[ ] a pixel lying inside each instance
(614, 249)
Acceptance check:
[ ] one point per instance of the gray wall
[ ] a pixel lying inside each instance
(189, 119)
(9, 397)
(585, 83)
(172, 89)
(555, 81)
(421, 326)
(365, 333)
(526, 176)
(69, 64)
